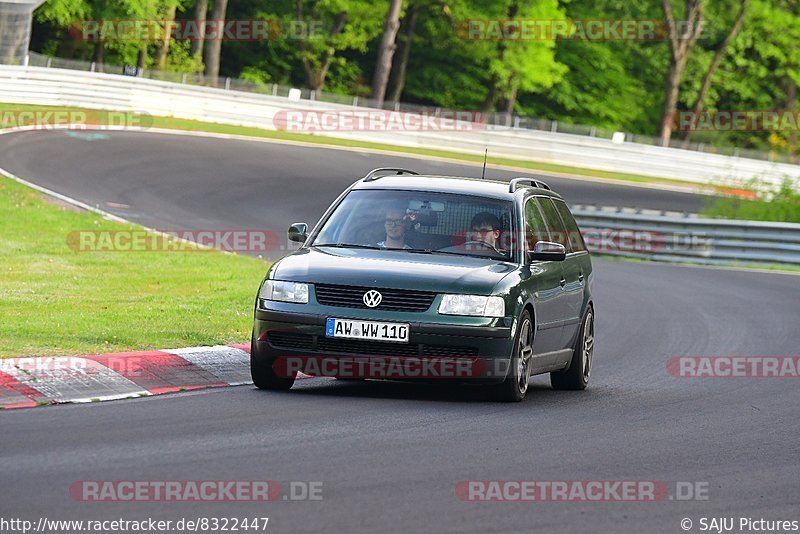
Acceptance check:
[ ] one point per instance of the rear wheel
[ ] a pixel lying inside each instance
(264, 376)
(576, 377)
(515, 386)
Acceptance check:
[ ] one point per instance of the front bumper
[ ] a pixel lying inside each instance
(295, 341)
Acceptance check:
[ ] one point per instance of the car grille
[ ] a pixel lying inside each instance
(291, 340)
(393, 299)
(305, 342)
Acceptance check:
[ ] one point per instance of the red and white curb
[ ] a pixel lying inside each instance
(28, 382)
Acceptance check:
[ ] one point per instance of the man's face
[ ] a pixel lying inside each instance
(485, 234)
(395, 224)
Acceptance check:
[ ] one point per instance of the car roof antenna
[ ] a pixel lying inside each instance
(485, 155)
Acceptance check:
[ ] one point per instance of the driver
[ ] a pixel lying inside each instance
(395, 223)
(485, 229)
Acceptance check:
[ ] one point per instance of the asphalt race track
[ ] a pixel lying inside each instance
(390, 455)
(174, 182)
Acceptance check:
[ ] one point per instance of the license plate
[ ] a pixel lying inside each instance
(369, 330)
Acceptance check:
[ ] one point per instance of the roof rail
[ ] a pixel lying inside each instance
(374, 174)
(532, 181)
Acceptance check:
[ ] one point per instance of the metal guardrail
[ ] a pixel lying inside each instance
(61, 87)
(671, 236)
(499, 118)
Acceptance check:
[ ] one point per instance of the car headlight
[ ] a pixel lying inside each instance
(284, 291)
(472, 305)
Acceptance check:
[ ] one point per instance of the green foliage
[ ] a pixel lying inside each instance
(616, 85)
(782, 204)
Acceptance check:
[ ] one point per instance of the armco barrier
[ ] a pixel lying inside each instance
(680, 237)
(61, 87)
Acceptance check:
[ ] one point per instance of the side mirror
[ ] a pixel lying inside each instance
(548, 251)
(298, 232)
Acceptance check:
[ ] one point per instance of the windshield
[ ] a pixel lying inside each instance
(420, 222)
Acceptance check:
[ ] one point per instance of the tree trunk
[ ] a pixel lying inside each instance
(791, 104)
(511, 100)
(400, 66)
(383, 66)
(213, 47)
(163, 48)
(99, 53)
(671, 92)
(200, 12)
(491, 97)
(699, 102)
(141, 60)
(680, 44)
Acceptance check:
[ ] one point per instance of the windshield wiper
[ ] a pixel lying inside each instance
(346, 245)
(451, 253)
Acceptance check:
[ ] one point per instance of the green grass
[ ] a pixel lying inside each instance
(523, 165)
(782, 205)
(58, 301)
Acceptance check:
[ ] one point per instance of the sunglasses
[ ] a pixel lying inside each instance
(394, 222)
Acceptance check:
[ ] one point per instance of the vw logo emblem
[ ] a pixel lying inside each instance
(372, 298)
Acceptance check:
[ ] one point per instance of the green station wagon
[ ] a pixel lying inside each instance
(431, 278)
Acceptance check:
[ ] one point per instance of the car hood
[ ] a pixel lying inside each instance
(392, 269)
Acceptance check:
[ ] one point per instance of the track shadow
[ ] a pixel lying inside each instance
(539, 391)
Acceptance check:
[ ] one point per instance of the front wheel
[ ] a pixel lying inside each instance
(263, 375)
(576, 377)
(515, 385)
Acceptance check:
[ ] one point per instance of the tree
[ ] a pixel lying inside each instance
(681, 43)
(200, 12)
(383, 66)
(163, 48)
(349, 25)
(721, 49)
(400, 63)
(213, 47)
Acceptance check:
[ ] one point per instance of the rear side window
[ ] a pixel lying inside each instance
(573, 232)
(555, 228)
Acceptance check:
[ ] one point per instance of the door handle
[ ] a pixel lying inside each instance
(563, 282)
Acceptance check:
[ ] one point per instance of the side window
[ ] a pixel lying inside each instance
(535, 227)
(553, 223)
(574, 233)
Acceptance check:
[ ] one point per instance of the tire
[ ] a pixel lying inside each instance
(576, 376)
(263, 374)
(515, 386)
